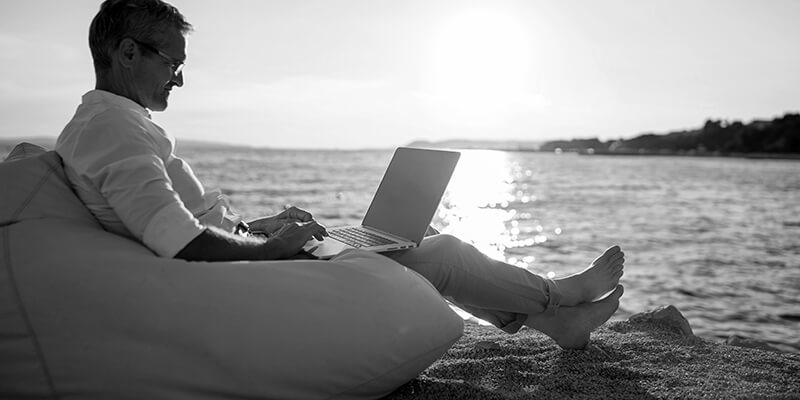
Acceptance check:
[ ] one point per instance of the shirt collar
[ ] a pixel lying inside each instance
(101, 96)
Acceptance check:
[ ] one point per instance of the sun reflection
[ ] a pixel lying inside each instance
(489, 203)
(475, 206)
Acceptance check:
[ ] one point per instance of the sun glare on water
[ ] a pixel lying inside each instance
(480, 66)
(475, 206)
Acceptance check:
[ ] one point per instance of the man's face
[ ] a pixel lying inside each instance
(155, 78)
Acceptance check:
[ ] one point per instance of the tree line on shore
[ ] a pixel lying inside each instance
(778, 136)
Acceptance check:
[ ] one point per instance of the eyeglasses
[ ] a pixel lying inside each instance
(177, 66)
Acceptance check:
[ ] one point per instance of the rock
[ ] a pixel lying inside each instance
(665, 315)
(739, 341)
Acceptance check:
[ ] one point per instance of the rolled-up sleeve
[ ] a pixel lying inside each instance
(170, 230)
(126, 163)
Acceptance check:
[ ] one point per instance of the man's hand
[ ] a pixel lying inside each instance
(290, 238)
(270, 225)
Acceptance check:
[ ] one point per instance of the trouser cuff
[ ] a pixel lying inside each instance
(553, 296)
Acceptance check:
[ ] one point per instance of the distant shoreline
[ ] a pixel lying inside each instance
(641, 153)
(6, 146)
(778, 138)
(754, 156)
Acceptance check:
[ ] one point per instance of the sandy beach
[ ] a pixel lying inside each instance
(644, 357)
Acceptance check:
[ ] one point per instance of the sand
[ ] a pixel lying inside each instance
(645, 357)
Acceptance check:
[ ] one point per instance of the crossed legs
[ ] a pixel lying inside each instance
(566, 309)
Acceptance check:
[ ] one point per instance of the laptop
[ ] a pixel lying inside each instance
(402, 208)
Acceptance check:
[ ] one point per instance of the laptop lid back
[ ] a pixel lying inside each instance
(410, 191)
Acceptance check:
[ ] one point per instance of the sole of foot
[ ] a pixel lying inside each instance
(570, 326)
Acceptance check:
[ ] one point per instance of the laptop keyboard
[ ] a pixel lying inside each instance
(357, 237)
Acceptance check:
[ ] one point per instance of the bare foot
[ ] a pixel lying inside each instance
(599, 278)
(570, 326)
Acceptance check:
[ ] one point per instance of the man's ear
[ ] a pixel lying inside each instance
(127, 53)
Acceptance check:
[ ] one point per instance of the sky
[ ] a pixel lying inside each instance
(379, 73)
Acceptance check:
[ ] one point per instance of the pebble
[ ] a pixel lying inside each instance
(487, 345)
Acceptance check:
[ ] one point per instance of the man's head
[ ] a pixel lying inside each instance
(138, 48)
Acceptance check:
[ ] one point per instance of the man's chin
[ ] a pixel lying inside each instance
(160, 106)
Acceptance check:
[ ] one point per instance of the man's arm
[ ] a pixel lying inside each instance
(214, 244)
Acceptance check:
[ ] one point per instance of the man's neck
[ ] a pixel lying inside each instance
(109, 82)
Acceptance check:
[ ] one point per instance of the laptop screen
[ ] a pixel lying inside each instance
(410, 191)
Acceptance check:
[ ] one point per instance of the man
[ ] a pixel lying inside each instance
(147, 193)
(123, 167)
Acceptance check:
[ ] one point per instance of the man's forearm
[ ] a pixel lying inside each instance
(217, 245)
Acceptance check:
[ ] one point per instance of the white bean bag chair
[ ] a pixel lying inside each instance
(86, 314)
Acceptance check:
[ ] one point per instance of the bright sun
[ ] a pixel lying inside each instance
(480, 65)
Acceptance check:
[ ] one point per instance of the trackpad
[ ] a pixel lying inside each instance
(325, 249)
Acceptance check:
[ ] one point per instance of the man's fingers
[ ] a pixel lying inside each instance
(313, 226)
(316, 230)
(299, 213)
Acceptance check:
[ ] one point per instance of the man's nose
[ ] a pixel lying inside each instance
(178, 79)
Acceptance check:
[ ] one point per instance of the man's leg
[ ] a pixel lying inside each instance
(503, 294)
(491, 290)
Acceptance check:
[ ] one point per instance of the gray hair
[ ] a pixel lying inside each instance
(142, 20)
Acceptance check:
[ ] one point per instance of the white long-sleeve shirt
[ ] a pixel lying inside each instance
(121, 164)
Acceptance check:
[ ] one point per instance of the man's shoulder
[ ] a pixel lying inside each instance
(106, 126)
(101, 101)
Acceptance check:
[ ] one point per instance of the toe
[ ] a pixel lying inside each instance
(607, 255)
(616, 294)
(617, 275)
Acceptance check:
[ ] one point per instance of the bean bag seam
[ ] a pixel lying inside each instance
(33, 193)
(24, 314)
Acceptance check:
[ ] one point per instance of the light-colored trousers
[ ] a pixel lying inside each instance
(494, 291)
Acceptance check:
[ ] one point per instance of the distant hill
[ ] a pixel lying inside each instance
(779, 137)
(183, 144)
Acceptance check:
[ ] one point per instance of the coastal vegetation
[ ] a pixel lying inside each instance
(779, 137)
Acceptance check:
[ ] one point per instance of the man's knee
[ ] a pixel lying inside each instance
(445, 242)
(442, 250)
